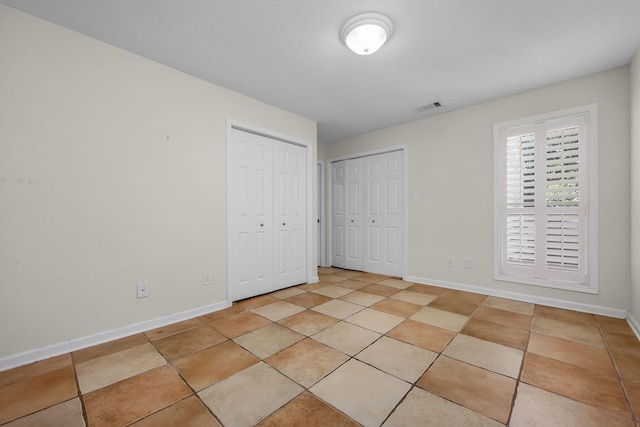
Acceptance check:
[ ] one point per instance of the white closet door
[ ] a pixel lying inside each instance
(353, 214)
(338, 213)
(290, 202)
(251, 222)
(383, 214)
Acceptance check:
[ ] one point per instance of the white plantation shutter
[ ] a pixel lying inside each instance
(542, 201)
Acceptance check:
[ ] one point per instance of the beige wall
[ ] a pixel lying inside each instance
(450, 167)
(635, 190)
(95, 199)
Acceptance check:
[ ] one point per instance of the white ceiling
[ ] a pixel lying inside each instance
(288, 52)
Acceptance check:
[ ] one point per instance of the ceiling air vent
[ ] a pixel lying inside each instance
(428, 107)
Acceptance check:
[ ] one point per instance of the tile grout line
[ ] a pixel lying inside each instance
(634, 418)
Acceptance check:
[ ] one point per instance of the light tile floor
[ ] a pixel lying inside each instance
(354, 349)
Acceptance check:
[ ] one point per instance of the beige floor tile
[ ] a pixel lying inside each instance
(424, 409)
(423, 335)
(255, 302)
(312, 286)
(375, 320)
(308, 299)
(105, 370)
(370, 277)
(483, 391)
(34, 369)
(500, 334)
(333, 291)
(189, 412)
(307, 361)
(338, 309)
(347, 338)
(268, 340)
(503, 317)
(278, 310)
(249, 396)
(576, 383)
(633, 392)
(397, 358)
(615, 326)
(396, 307)
(327, 279)
(362, 298)
(65, 414)
(214, 364)
(582, 355)
(623, 342)
(308, 411)
(239, 324)
(131, 400)
(288, 293)
(484, 354)
(442, 319)
(426, 289)
(628, 365)
(181, 344)
(36, 393)
(221, 314)
(382, 290)
(354, 284)
(563, 315)
(535, 407)
(413, 297)
(464, 296)
(520, 307)
(308, 322)
(396, 283)
(362, 392)
(578, 332)
(174, 328)
(453, 305)
(347, 273)
(109, 347)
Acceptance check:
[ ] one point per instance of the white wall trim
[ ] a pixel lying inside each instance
(323, 213)
(102, 337)
(635, 325)
(551, 302)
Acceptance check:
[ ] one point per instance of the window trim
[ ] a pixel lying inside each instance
(590, 112)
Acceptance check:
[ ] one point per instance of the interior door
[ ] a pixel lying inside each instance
(383, 214)
(251, 210)
(338, 214)
(353, 214)
(290, 205)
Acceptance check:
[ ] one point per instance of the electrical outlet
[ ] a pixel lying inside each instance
(450, 262)
(206, 278)
(143, 290)
(468, 263)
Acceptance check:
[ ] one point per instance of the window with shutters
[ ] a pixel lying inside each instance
(546, 200)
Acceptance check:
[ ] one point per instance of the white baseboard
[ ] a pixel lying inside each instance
(552, 302)
(102, 337)
(635, 325)
(314, 279)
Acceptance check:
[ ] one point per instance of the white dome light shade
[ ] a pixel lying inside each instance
(366, 33)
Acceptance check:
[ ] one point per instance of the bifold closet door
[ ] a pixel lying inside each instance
(289, 218)
(267, 222)
(368, 213)
(251, 215)
(383, 214)
(347, 214)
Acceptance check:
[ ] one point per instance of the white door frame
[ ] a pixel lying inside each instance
(405, 180)
(322, 214)
(310, 224)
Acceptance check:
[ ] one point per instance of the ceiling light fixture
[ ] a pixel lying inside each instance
(366, 33)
